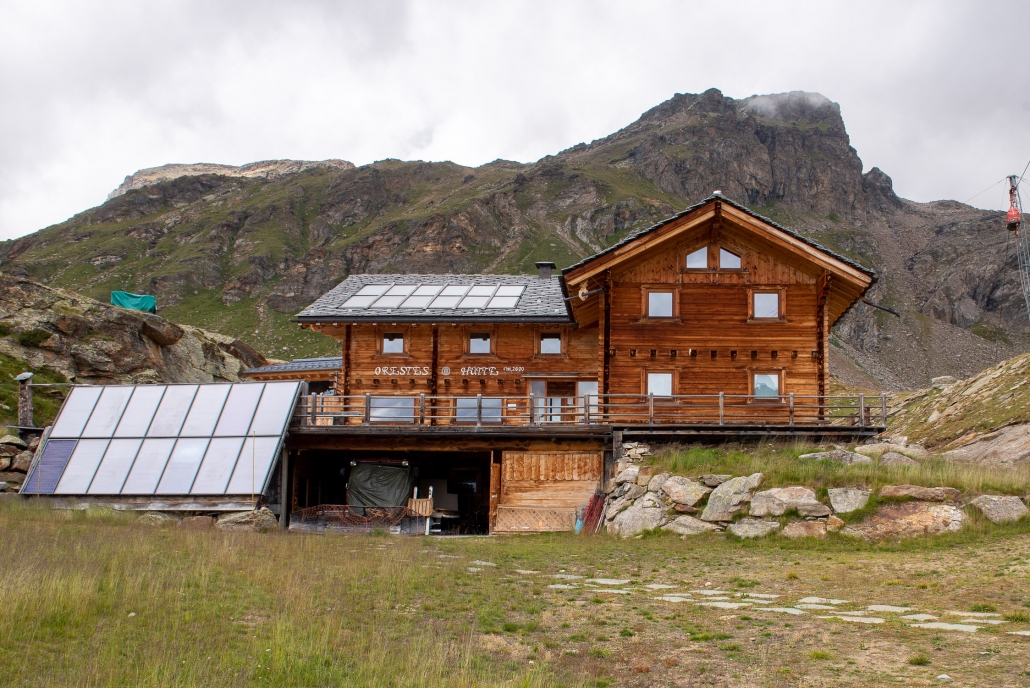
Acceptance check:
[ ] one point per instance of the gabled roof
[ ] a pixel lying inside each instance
(744, 209)
(299, 365)
(539, 300)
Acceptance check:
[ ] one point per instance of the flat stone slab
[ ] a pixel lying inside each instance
(659, 586)
(567, 576)
(674, 598)
(816, 607)
(474, 569)
(614, 591)
(526, 572)
(820, 600)
(839, 455)
(941, 626)
(799, 529)
(923, 494)
(1000, 508)
(844, 500)
(608, 581)
(752, 528)
(758, 595)
(688, 525)
(562, 586)
(684, 490)
(780, 610)
(860, 612)
(477, 562)
(780, 500)
(1022, 633)
(709, 591)
(978, 615)
(920, 617)
(725, 605)
(909, 519)
(890, 609)
(718, 598)
(856, 619)
(992, 622)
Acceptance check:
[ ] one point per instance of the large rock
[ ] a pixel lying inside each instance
(684, 490)
(909, 519)
(798, 529)
(713, 479)
(14, 440)
(839, 455)
(647, 513)
(645, 474)
(157, 518)
(1009, 446)
(729, 498)
(259, 521)
(1000, 508)
(780, 500)
(688, 525)
(895, 459)
(628, 475)
(914, 450)
(752, 528)
(844, 500)
(160, 331)
(923, 494)
(656, 482)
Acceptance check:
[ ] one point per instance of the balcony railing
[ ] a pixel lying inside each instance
(630, 410)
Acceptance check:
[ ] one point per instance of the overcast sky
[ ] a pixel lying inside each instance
(936, 94)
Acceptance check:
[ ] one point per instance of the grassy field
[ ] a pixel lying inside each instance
(97, 599)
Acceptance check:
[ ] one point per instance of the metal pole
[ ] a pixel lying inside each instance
(479, 410)
(861, 410)
(722, 408)
(792, 409)
(368, 408)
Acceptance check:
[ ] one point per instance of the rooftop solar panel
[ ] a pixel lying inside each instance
(373, 289)
(165, 439)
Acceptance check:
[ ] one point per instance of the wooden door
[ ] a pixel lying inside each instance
(541, 491)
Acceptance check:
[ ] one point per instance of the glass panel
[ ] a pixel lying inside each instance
(253, 466)
(140, 411)
(219, 462)
(510, 290)
(393, 409)
(275, 408)
(767, 385)
(359, 301)
(537, 390)
(47, 472)
(82, 466)
(402, 289)
(483, 290)
(204, 412)
(587, 393)
(446, 302)
(767, 305)
(479, 343)
(417, 302)
(728, 260)
(115, 467)
(550, 343)
(659, 384)
(150, 463)
(474, 302)
(659, 304)
(428, 290)
(393, 343)
(465, 409)
(239, 409)
(698, 259)
(75, 411)
(503, 302)
(107, 412)
(373, 290)
(182, 467)
(454, 290)
(172, 411)
(388, 302)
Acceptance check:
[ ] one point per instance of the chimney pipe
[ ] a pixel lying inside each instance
(545, 269)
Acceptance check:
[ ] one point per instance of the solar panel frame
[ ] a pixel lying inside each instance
(183, 464)
(149, 466)
(205, 411)
(510, 290)
(82, 466)
(114, 469)
(46, 473)
(446, 302)
(503, 302)
(388, 302)
(172, 411)
(264, 452)
(428, 290)
(108, 411)
(401, 290)
(419, 302)
(276, 403)
(140, 411)
(474, 302)
(218, 465)
(239, 409)
(359, 301)
(373, 289)
(75, 412)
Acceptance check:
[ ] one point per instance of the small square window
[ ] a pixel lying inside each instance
(767, 385)
(767, 305)
(728, 260)
(479, 343)
(393, 343)
(659, 384)
(698, 260)
(550, 343)
(659, 304)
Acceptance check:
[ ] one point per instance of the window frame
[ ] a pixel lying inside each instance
(645, 302)
(708, 258)
(540, 333)
(382, 344)
(470, 330)
(380, 334)
(733, 251)
(674, 381)
(495, 417)
(781, 304)
(781, 393)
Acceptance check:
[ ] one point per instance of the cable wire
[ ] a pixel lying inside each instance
(987, 189)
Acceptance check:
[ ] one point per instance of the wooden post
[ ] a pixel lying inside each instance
(823, 339)
(606, 341)
(861, 410)
(883, 409)
(479, 410)
(792, 409)
(422, 409)
(368, 408)
(284, 489)
(495, 489)
(433, 380)
(25, 419)
(722, 408)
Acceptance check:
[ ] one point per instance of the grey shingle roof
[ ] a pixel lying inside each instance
(542, 301)
(743, 209)
(298, 365)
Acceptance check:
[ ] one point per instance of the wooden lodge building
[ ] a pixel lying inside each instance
(512, 393)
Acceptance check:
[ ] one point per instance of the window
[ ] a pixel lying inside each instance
(698, 260)
(659, 384)
(393, 343)
(659, 304)
(466, 408)
(587, 393)
(767, 385)
(767, 305)
(392, 409)
(479, 343)
(550, 343)
(728, 260)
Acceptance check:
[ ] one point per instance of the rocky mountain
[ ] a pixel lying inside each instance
(241, 254)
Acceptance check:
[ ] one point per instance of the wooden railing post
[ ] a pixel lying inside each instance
(479, 410)
(722, 408)
(368, 408)
(792, 409)
(586, 409)
(422, 408)
(883, 409)
(861, 410)
(313, 410)
(650, 408)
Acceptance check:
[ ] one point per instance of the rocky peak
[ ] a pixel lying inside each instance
(265, 169)
(796, 107)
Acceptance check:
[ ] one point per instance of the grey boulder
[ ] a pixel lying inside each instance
(839, 455)
(258, 521)
(729, 498)
(656, 482)
(753, 528)
(844, 500)
(780, 500)
(688, 525)
(684, 490)
(647, 513)
(1000, 508)
(895, 459)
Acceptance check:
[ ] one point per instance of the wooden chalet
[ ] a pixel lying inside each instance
(510, 395)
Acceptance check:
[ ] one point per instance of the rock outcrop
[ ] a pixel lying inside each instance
(729, 498)
(926, 494)
(1000, 509)
(909, 519)
(780, 500)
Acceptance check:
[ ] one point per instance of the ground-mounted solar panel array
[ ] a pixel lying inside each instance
(204, 439)
(425, 296)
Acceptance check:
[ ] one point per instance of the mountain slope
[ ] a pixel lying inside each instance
(241, 254)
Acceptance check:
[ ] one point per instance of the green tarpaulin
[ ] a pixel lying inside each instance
(372, 484)
(135, 302)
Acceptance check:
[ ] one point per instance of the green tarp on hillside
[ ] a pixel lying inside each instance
(372, 484)
(135, 302)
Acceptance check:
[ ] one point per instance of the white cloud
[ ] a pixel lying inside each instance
(930, 91)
